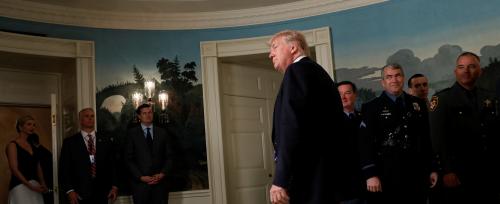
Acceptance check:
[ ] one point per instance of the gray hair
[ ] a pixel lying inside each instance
(392, 66)
(293, 36)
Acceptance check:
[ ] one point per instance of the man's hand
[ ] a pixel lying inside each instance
(73, 197)
(433, 179)
(373, 184)
(158, 177)
(147, 179)
(113, 193)
(278, 195)
(451, 180)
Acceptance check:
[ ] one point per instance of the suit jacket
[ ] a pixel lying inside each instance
(143, 162)
(74, 167)
(307, 114)
(395, 144)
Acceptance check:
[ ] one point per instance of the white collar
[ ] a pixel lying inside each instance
(298, 58)
(84, 134)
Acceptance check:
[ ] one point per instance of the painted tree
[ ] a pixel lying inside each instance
(138, 77)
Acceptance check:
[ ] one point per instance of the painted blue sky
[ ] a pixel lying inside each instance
(362, 37)
(373, 33)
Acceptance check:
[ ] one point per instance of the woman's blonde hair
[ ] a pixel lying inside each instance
(21, 120)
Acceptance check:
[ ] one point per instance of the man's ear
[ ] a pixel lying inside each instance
(293, 48)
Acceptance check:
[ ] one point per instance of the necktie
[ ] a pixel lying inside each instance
(149, 138)
(91, 150)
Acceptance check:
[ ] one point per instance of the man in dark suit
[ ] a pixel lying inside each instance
(353, 192)
(396, 152)
(307, 114)
(149, 156)
(86, 167)
(465, 128)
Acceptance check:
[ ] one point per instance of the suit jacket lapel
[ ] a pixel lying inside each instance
(82, 146)
(141, 138)
(155, 139)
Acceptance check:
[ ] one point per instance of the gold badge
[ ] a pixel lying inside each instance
(434, 103)
(416, 107)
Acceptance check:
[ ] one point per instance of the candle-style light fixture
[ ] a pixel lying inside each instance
(149, 93)
(163, 100)
(136, 102)
(137, 99)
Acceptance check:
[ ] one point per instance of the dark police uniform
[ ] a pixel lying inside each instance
(395, 147)
(465, 130)
(354, 188)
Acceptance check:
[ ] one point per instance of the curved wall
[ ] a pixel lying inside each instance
(363, 38)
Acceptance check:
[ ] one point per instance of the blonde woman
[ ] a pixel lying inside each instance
(27, 183)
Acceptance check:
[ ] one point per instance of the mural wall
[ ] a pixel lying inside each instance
(424, 36)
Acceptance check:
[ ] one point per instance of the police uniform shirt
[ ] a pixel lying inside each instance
(465, 132)
(394, 141)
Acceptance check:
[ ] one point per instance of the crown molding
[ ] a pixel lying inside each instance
(38, 12)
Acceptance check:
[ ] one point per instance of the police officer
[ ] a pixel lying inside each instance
(353, 190)
(396, 152)
(418, 85)
(465, 130)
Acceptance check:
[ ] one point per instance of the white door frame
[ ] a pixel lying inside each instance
(55, 123)
(81, 51)
(210, 52)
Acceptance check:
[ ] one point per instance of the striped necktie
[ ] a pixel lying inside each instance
(91, 150)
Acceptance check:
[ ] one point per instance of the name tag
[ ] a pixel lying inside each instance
(386, 113)
(92, 159)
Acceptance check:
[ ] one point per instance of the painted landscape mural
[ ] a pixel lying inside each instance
(423, 36)
(115, 111)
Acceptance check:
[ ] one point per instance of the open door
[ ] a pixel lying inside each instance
(248, 91)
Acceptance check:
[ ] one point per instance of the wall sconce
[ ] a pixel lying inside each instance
(149, 93)
(163, 100)
(136, 102)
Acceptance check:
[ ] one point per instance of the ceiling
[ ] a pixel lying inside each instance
(170, 14)
(163, 6)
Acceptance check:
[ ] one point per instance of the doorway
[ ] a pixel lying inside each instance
(238, 115)
(49, 79)
(249, 89)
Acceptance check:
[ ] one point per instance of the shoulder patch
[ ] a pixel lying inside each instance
(434, 103)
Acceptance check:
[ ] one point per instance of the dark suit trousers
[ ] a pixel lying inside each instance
(150, 194)
(99, 195)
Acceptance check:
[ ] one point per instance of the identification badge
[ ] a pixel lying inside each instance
(92, 159)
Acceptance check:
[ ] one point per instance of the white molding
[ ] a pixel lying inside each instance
(183, 197)
(39, 12)
(211, 51)
(82, 51)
